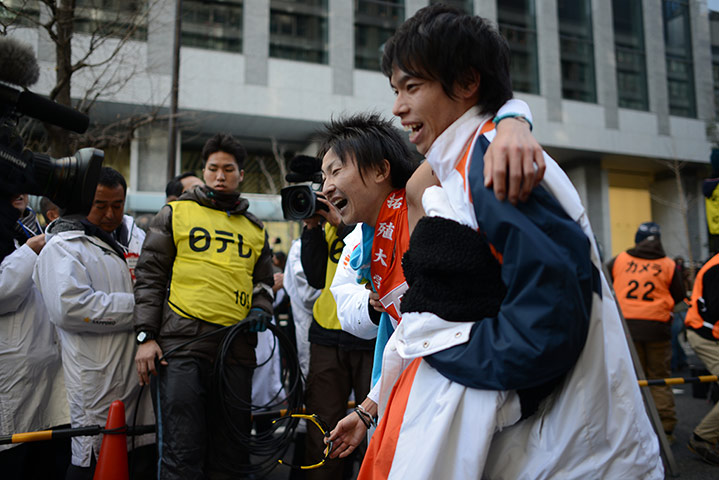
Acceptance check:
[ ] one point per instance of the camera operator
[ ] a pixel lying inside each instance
(32, 390)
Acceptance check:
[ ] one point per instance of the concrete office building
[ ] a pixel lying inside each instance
(621, 91)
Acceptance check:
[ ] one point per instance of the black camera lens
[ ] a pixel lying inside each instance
(299, 202)
(69, 181)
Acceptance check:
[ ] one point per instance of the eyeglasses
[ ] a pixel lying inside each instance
(325, 432)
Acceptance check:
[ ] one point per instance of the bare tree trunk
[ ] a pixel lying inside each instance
(278, 152)
(676, 167)
(58, 137)
(267, 174)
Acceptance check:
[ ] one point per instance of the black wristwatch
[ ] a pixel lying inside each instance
(144, 336)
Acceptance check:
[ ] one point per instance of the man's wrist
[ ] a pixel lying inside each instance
(516, 116)
(144, 336)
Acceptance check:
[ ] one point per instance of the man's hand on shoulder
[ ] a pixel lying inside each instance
(510, 160)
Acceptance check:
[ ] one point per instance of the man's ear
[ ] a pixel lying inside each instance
(468, 86)
(383, 173)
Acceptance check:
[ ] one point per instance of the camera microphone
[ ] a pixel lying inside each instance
(18, 66)
(46, 110)
(17, 63)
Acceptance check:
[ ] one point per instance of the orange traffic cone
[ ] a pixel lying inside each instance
(112, 462)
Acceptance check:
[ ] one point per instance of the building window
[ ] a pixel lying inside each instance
(375, 22)
(714, 31)
(111, 18)
(298, 30)
(467, 6)
(680, 66)
(576, 49)
(518, 25)
(630, 54)
(99, 18)
(213, 24)
(19, 13)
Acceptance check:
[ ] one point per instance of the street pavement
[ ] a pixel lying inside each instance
(690, 412)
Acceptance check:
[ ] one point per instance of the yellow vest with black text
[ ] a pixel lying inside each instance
(216, 256)
(712, 210)
(325, 308)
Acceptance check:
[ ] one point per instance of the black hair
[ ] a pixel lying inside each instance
(369, 139)
(224, 142)
(281, 259)
(109, 177)
(174, 186)
(46, 205)
(444, 44)
(185, 175)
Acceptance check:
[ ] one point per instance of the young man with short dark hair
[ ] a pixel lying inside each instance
(206, 264)
(509, 360)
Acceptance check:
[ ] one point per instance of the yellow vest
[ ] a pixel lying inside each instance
(325, 308)
(216, 255)
(712, 208)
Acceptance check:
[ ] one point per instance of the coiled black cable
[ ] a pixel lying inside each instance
(264, 448)
(268, 446)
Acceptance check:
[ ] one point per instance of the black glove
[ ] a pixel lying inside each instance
(258, 320)
(451, 272)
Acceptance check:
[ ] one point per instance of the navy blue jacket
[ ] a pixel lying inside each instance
(544, 318)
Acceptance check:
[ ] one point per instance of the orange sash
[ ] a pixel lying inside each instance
(391, 240)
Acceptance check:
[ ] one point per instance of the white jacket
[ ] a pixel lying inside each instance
(596, 425)
(32, 388)
(87, 288)
(352, 298)
(302, 299)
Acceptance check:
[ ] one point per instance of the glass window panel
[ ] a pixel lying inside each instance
(19, 13)
(630, 54)
(213, 24)
(516, 19)
(375, 22)
(113, 18)
(679, 61)
(576, 46)
(298, 30)
(467, 6)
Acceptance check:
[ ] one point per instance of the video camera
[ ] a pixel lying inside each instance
(70, 182)
(300, 201)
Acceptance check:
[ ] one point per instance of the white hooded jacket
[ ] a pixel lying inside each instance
(88, 291)
(302, 298)
(32, 388)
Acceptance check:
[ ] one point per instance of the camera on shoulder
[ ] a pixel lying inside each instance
(301, 201)
(69, 182)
